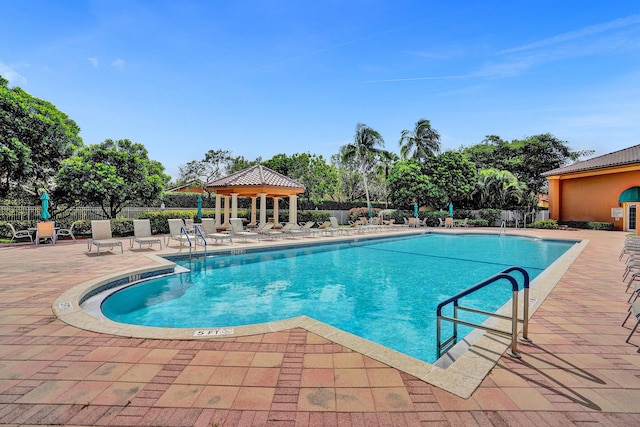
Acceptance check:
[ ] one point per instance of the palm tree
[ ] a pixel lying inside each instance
(363, 150)
(499, 188)
(421, 143)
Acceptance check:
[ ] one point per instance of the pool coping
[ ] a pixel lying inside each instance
(460, 372)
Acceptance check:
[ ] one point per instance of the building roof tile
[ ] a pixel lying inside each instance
(627, 156)
(256, 175)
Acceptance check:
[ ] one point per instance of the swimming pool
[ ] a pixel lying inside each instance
(384, 290)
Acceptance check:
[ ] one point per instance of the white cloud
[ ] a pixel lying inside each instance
(94, 62)
(15, 79)
(118, 64)
(578, 34)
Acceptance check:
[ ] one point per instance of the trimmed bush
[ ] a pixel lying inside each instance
(588, 225)
(550, 224)
(594, 225)
(492, 216)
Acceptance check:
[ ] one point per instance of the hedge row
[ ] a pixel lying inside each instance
(585, 225)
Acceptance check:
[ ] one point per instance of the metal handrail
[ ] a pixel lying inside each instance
(503, 229)
(184, 231)
(198, 230)
(505, 274)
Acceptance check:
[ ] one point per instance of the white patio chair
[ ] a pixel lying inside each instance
(142, 234)
(67, 232)
(20, 234)
(209, 229)
(101, 236)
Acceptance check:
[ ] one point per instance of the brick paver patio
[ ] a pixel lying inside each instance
(578, 371)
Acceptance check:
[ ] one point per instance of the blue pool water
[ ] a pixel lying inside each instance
(384, 290)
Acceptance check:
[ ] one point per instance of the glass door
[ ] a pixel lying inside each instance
(631, 224)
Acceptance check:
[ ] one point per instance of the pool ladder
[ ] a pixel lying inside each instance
(197, 234)
(503, 229)
(447, 344)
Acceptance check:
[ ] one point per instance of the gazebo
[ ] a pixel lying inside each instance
(255, 182)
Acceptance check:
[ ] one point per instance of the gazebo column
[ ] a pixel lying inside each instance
(275, 210)
(253, 209)
(293, 208)
(218, 222)
(263, 208)
(226, 211)
(234, 205)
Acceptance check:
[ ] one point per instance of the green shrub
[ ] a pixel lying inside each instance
(431, 218)
(550, 224)
(588, 225)
(478, 223)
(594, 225)
(491, 215)
(316, 216)
(462, 214)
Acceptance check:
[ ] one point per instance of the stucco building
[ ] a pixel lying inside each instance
(604, 188)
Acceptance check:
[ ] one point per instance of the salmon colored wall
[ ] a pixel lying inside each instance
(591, 198)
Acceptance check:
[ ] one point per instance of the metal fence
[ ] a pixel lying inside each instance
(32, 213)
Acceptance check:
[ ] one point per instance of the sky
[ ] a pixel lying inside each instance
(264, 77)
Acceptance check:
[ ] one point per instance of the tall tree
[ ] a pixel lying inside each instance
(453, 175)
(527, 158)
(367, 144)
(408, 185)
(238, 163)
(499, 189)
(420, 143)
(320, 179)
(34, 139)
(112, 175)
(210, 168)
(534, 155)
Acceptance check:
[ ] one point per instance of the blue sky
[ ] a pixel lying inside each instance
(262, 77)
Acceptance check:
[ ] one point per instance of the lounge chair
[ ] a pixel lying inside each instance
(440, 222)
(101, 236)
(308, 229)
(464, 223)
(356, 226)
(237, 230)
(325, 228)
(20, 234)
(142, 234)
(46, 230)
(177, 231)
(208, 227)
(67, 232)
(634, 310)
(266, 230)
(631, 246)
(292, 229)
(335, 226)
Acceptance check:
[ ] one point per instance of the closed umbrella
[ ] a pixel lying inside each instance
(45, 207)
(451, 210)
(415, 210)
(199, 214)
(370, 211)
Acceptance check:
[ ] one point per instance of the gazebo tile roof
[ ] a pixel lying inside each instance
(627, 156)
(256, 175)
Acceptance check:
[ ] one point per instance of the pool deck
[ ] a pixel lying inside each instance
(578, 370)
